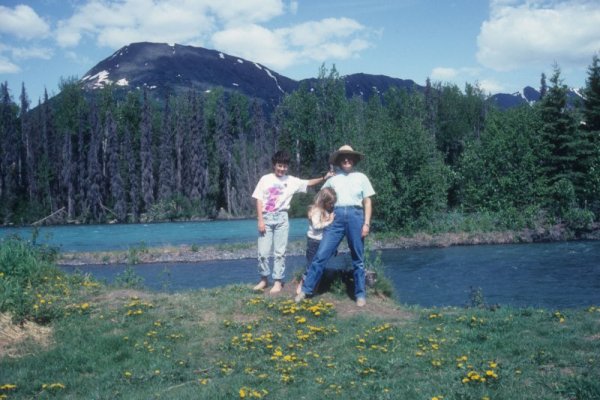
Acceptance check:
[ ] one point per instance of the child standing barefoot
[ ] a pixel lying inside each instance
(273, 195)
(320, 215)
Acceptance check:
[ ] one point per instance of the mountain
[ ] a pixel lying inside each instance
(529, 96)
(174, 69)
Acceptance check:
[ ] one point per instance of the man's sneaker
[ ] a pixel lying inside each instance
(276, 287)
(299, 297)
(361, 302)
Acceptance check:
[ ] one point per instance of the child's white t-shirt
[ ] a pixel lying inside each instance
(276, 192)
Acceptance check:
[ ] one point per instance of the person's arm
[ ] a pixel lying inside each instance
(317, 221)
(366, 228)
(315, 181)
(259, 216)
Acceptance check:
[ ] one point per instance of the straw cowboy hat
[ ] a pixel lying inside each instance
(345, 150)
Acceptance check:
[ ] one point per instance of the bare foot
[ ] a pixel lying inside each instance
(299, 287)
(261, 285)
(276, 287)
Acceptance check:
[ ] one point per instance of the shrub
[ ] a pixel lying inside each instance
(32, 287)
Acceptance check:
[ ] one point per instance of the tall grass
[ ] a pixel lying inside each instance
(229, 343)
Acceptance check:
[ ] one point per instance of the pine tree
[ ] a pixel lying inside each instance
(147, 174)
(430, 109)
(9, 139)
(224, 137)
(562, 147)
(67, 175)
(543, 86)
(29, 179)
(117, 190)
(94, 183)
(45, 168)
(81, 172)
(261, 147)
(198, 159)
(591, 131)
(165, 169)
(179, 142)
(558, 131)
(133, 175)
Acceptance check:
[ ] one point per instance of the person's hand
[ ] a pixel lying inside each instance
(328, 175)
(365, 231)
(261, 228)
(331, 216)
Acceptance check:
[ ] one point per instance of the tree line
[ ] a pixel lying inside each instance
(100, 158)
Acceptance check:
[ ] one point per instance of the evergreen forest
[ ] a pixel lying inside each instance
(99, 158)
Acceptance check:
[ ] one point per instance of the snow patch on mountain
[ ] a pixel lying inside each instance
(275, 79)
(101, 79)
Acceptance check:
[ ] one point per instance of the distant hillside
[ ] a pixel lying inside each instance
(174, 69)
(167, 69)
(529, 96)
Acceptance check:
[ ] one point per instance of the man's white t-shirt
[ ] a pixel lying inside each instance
(276, 193)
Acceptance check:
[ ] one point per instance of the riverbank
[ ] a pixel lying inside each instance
(233, 251)
(232, 343)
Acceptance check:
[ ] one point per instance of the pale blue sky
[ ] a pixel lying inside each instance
(502, 45)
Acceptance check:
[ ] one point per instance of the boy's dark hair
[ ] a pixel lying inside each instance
(281, 157)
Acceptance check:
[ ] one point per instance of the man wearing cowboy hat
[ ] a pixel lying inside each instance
(352, 219)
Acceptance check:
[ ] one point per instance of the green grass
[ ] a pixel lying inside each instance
(229, 343)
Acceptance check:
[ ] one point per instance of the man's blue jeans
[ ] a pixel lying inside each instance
(348, 222)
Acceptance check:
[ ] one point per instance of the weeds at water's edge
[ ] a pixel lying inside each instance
(230, 342)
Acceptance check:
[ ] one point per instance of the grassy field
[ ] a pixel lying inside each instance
(77, 339)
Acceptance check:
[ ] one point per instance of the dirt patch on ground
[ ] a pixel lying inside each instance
(12, 337)
(345, 307)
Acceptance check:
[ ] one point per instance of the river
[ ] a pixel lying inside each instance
(548, 275)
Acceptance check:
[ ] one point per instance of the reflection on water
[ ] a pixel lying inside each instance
(548, 275)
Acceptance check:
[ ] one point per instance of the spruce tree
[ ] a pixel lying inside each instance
(224, 137)
(67, 169)
(561, 145)
(133, 174)
(543, 86)
(591, 130)
(9, 139)
(117, 190)
(94, 182)
(165, 167)
(198, 157)
(147, 174)
(27, 155)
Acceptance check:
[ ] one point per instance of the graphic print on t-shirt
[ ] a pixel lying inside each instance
(274, 193)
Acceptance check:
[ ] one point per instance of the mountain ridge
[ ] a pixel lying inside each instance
(174, 68)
